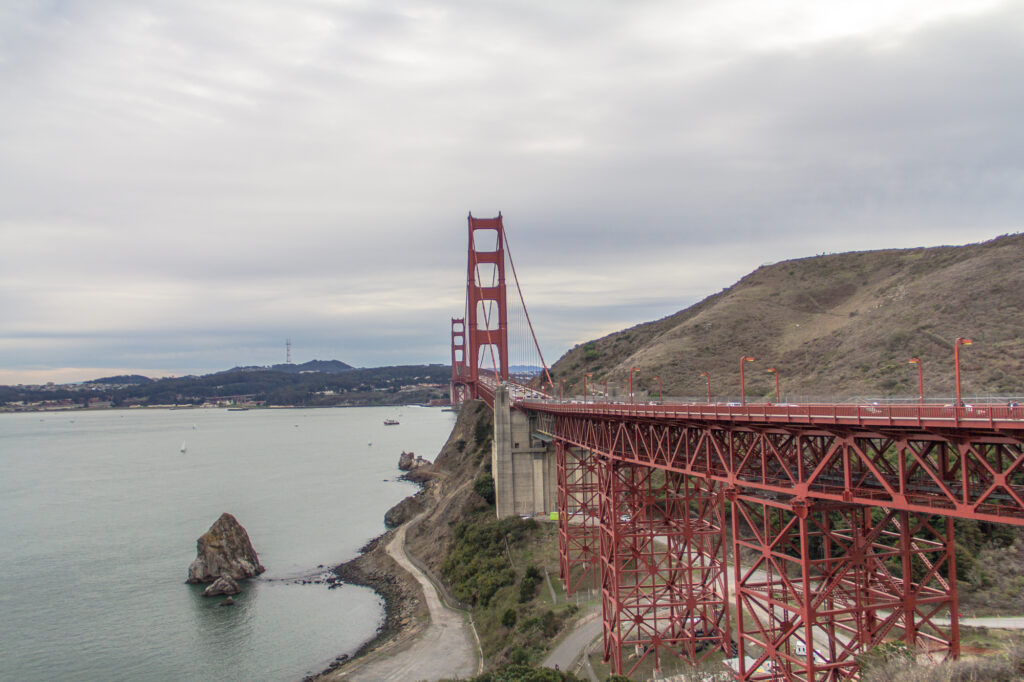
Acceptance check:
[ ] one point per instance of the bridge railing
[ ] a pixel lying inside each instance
(986, 416)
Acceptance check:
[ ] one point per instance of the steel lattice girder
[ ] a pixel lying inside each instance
(820, 584)
(663, 565)
(578, 541)
(970, 474)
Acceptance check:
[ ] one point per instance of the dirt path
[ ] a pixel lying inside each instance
(446, 648)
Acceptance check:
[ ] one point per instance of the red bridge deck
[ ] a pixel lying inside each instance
(965, 462)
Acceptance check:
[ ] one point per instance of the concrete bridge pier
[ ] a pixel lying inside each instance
(524, 465)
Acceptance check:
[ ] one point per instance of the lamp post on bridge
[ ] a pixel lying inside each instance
(707, 376)
(920, 376)
(606, 390)
(661, 395)
(634, 369)
(561, 382)
(585, 377)
(743, 385)
(956, 363)
(774, 371)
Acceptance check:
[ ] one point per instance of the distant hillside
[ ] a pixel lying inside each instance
(369, 386)
(838, 326)
(324, 366)
(123, 380)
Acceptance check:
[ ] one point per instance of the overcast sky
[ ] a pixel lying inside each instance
(185, 184)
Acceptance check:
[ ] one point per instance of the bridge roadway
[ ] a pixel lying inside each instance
(964, 462)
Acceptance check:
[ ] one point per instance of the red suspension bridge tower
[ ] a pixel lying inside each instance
(480, 340)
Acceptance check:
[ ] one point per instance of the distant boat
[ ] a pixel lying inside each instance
(237, 409)
(183, 448)
(390, 422)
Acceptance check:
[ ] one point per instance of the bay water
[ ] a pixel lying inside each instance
(100, 512)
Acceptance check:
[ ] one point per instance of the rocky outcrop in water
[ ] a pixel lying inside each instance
(222, 585)
(403, 511)
(408, 461)
(224, 550)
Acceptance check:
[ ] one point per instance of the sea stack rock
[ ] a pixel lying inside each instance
(405, 460)
(225, 549)
(408, 461)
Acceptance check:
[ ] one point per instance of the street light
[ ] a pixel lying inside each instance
(774, 371)
(956, 363)
(743, 384)
(920, 376)
(707, 376)
(585, 377)
(560, 383)
(634, 369)
(661, 396)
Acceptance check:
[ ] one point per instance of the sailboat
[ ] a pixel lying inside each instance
(183, 448)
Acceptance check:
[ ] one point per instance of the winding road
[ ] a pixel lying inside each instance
(445, 649)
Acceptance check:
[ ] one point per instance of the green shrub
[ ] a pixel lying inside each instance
(484, 487)
(517, 672)
(508, 619)
(528, 585)
(483, 431)
(477, 566)
(885, 655)
(548, 623)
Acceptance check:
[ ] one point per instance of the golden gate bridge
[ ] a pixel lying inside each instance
(792, 536)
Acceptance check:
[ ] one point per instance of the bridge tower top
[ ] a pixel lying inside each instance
(486, 310)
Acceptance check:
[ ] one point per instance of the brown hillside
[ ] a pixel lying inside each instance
(839, 327)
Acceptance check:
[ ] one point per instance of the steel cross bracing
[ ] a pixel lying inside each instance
(578, 505)
(968, 471)
(662, 564)
(844, 530)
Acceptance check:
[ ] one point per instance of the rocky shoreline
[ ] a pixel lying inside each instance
(445, 495)
(404, 609)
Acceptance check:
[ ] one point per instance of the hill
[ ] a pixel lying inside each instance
(323, 366)
(837, 327)
(259, 385)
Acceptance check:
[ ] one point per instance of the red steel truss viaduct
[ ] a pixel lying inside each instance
(794, 537)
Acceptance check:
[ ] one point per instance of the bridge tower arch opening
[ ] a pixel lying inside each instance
(486, 309)
(460, 375)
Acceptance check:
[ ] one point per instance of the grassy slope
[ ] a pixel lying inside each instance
(837, 326)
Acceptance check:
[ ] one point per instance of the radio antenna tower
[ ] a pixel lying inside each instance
(288, 351)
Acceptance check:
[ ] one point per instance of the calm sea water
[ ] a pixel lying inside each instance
(99, 516)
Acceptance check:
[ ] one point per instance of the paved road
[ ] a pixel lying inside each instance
(568, 651)
(1008, 623)
(447, 648)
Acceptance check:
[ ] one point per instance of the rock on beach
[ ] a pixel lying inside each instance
(224, 550)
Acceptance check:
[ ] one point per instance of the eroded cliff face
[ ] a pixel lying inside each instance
(449, 496)
(225, 549)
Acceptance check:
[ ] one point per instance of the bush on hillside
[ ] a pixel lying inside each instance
(528, 585)
(525, 673)
(478, 566)
(484, 487)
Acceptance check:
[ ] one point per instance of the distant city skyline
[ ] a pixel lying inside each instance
(185, 187)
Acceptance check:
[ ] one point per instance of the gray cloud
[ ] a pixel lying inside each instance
(185, 184)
